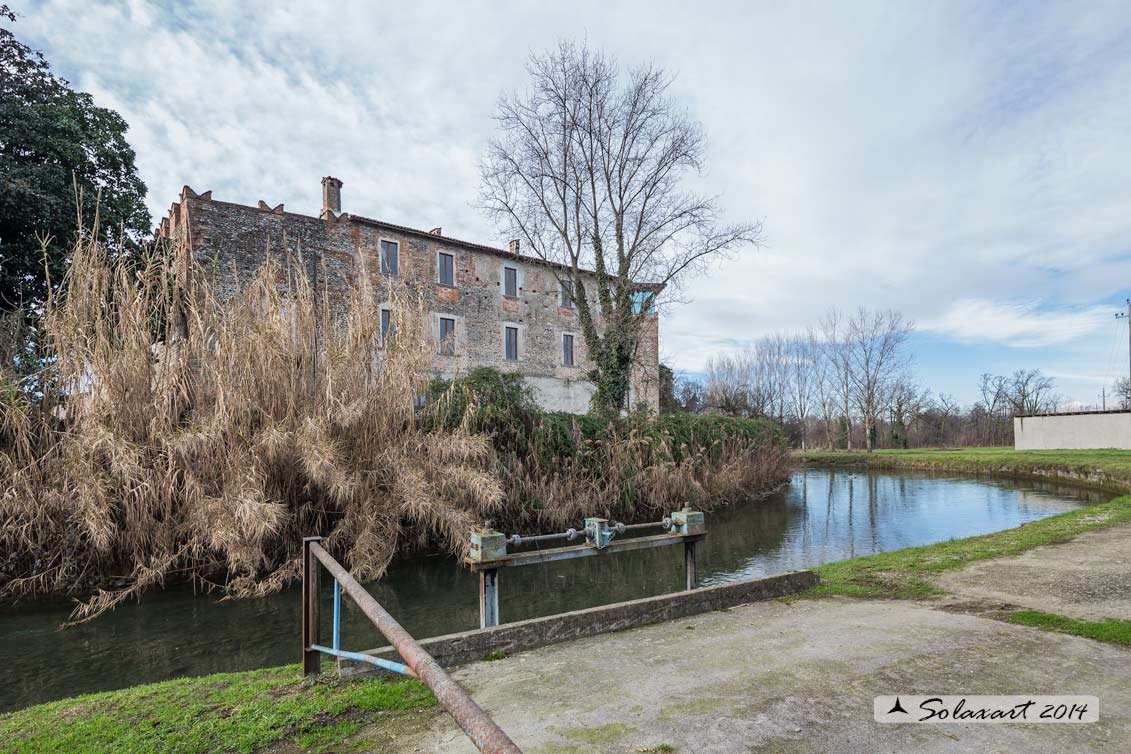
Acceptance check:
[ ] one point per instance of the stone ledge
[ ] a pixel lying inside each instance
(472, 646)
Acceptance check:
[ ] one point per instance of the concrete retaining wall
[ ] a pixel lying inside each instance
(1109, 429)
(471, 646)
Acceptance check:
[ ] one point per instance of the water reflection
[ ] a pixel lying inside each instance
(824, 515)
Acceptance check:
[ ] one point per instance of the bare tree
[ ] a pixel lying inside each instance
(949, 414)
(725, 389)
(1030, 392)
(589, 171)
(774, 357)
(835, 332)
(875, 355)
(689, 394)
(853, 373)
(948, 405)
(762, 377)
(907, 402)
(1122, 391)
(825, 383)
(995, 400)
(801, 365)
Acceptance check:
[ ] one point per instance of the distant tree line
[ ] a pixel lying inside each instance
(847, 383)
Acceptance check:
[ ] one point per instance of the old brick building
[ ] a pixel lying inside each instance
(486, 306)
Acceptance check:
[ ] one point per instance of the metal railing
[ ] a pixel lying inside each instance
(487, 736)
(487, 550)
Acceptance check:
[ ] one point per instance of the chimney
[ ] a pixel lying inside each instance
(437, 231)
(513, 246)
(331, 196)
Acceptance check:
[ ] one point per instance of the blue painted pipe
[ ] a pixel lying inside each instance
(337, 615)
(396, 667)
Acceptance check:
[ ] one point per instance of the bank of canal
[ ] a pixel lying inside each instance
(824, 515)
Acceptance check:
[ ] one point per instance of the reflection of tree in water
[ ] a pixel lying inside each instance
(1046, 488)
(734, 535)
(824, 515)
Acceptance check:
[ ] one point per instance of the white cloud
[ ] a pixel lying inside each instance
(1026, 325)
(903, 155)
(1095, 378)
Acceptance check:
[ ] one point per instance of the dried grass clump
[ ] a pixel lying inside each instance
(175, 434)
(638, 471)
(557, 468)
(172, 434)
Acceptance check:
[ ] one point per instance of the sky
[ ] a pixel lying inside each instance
(966, 163)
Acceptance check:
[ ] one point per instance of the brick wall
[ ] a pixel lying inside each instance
(233, 240)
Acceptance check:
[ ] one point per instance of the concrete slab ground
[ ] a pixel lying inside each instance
(1088, 578)
(778, 677)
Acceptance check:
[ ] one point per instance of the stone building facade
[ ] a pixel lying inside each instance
(486, 306)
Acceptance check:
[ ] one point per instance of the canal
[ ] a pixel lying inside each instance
(822, 516)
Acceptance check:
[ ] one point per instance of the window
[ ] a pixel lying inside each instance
(447, 336)
(510, 282)
(567, 350)
(642, 302)
(512, 343)
(447, 269)
(386, 325)
(567, 294)
(389, 253)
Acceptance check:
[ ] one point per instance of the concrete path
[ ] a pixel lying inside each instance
(776, 677)
(1088, 578)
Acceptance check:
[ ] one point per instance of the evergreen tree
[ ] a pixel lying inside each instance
(57, 145)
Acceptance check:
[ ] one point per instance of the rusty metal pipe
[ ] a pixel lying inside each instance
(487, 736)
(522, 539)
(665, 524)
(571, 534)
(649, 525)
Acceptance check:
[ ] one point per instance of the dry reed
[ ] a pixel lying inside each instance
(172, 434)
(176, 434)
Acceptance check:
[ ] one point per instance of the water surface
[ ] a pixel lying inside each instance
(824, 515)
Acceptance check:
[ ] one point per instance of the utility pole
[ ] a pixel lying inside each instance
(1127, 316)
(1103, 397)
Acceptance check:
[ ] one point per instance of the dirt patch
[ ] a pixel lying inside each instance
(1088, 577)
(70, 713)
(381, 735)
(290, 689)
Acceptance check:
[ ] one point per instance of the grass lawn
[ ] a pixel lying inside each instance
(227, 712)
(1115, 631)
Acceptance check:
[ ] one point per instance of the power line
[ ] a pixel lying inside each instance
(1108, 369)
(1127, 316)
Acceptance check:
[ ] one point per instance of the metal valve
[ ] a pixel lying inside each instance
(598, 533)
(486, 544)
(688, 522)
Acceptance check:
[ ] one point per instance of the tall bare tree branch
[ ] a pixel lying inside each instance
(589, 170)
